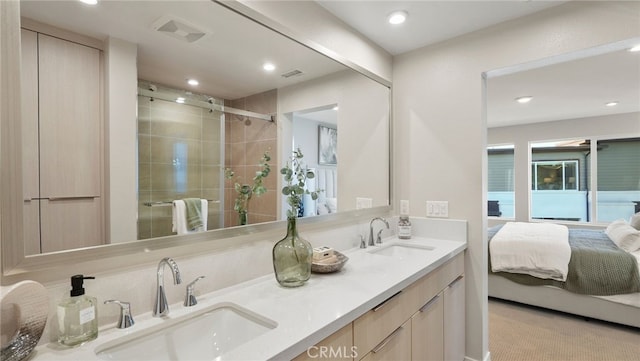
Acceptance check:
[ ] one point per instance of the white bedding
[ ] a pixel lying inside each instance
(537, 249)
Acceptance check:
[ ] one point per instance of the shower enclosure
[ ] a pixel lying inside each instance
(180, 155)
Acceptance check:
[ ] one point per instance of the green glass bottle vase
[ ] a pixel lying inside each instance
(292, 258)
(242, 218)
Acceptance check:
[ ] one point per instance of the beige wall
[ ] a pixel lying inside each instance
(362, 151)
(246, 140)
(439, 125)
(121, 75)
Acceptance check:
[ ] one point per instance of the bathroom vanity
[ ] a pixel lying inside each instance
(402, 299)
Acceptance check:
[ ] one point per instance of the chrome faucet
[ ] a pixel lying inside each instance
(190, 298)
(161, 307)
(379, 239)
(126, 319)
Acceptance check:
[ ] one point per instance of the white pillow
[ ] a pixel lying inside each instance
(332, 204)
(322, 209)
(623, 235)
(635, 221)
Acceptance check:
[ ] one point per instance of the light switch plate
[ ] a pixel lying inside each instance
(438, 209)
(404, 207)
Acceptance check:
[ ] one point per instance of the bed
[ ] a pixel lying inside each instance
(601, 280)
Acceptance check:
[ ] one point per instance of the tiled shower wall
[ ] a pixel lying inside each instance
(247, 139)
(179, 156)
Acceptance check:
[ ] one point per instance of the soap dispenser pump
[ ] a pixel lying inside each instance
(77, 315)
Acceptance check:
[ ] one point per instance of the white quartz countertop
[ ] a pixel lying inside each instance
(304, 315)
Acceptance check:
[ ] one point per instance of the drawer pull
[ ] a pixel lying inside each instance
(53, 199)
(378, 307)
(456, 280)
(384, 342)
(429, 304)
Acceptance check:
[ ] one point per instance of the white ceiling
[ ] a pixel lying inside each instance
(429, 21)
(569, 89)
(228, 60)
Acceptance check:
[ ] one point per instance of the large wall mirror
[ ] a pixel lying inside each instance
(157, 138)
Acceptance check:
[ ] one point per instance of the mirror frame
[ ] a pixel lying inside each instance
(16, 266)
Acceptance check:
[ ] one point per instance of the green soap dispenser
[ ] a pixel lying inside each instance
(77, 315)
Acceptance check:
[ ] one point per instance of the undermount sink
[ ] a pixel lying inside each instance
(205, 335)
(402, 250)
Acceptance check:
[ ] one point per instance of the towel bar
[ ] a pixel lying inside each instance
(162, 204)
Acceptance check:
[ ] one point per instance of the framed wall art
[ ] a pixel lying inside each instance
(327, 145)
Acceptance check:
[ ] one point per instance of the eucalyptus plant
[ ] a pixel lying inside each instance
(295, 174)
(246, 191)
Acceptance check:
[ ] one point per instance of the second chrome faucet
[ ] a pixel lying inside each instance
(161, 307)
(378, 238)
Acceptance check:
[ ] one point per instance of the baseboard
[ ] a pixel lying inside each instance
(487, 357)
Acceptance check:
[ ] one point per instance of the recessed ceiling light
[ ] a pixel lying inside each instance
(180, 100)
(611, 104)
(268, 67)
(89, 2)
(524, 99)
(397, 17)
(635, 48)
(193, 82)
(336, 108)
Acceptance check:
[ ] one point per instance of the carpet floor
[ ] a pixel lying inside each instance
(523, 333)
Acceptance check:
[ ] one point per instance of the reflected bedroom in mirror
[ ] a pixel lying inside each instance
(137, 112)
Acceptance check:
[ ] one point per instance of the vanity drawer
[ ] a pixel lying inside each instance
(374, 326)
(397, 346)
(430, 285)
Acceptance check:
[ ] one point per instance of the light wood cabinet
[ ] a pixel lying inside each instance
(425, 321)
(427, 331)
(396, 346)
(454, 320)
(338, 346)
(372, 328)
(62, 143)
(430, 313)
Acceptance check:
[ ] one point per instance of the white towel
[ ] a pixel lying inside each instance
(538, 249)
(180, 217)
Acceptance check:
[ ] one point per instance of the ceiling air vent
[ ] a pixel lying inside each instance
(292, 73)
(178, 28)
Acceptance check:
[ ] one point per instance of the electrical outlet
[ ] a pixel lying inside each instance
(438, 209)
(364, 203)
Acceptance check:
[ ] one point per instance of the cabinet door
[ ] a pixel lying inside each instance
(427, 327)
(338, 346)
(397, 346)
(70, 223)
(70, 123)
(62, 144)
(454, 321)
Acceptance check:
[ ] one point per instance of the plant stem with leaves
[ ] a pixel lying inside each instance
(245, 191)
(295, 175)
